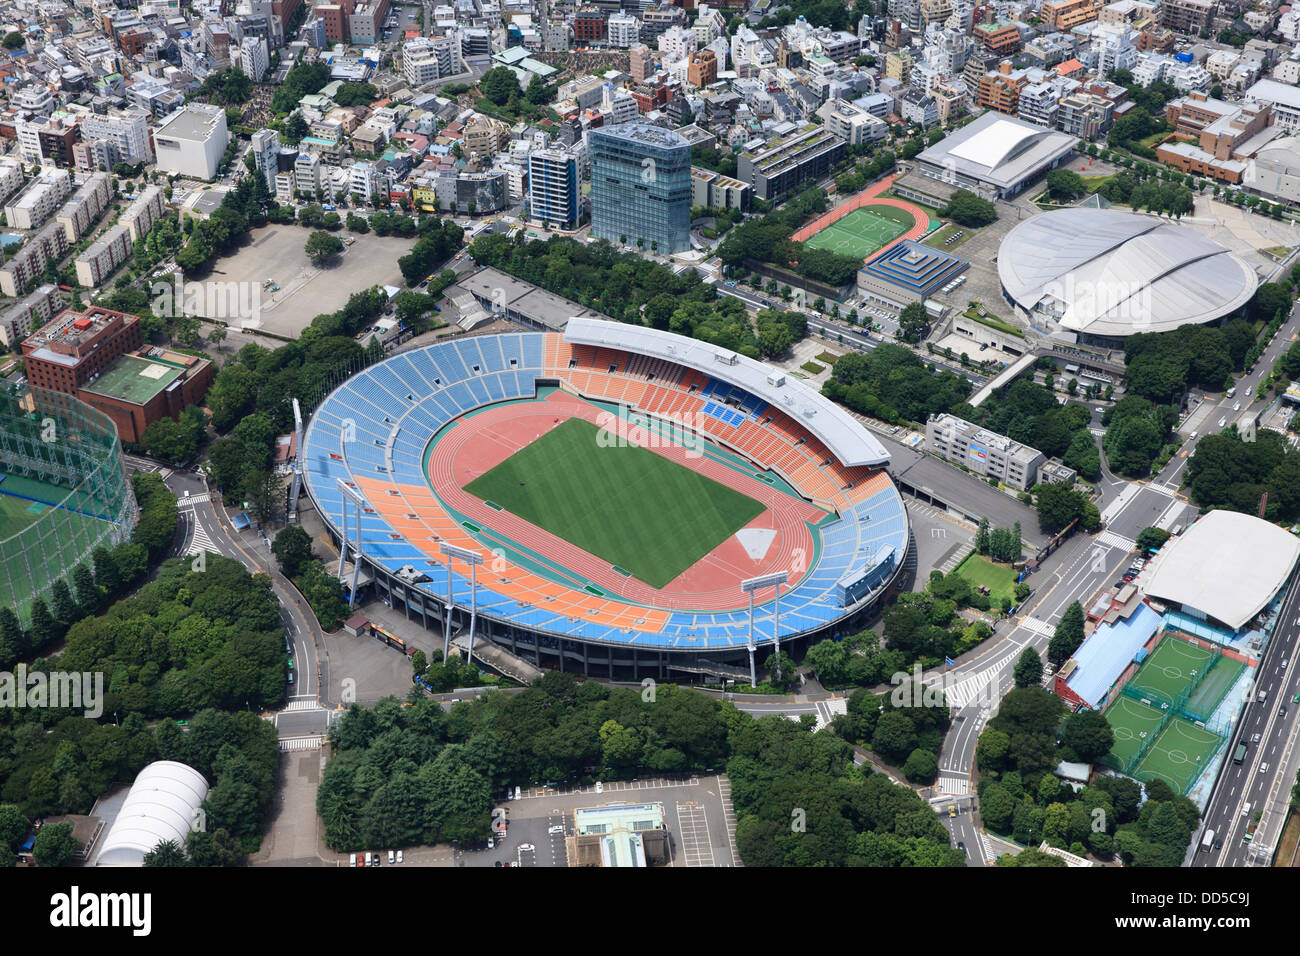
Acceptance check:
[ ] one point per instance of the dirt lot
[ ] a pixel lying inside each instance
(276, 253)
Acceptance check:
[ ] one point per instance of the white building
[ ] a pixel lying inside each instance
(265, 150)
(623, 29)
(11, 176)
(192, 140)
(126, 130)
(426, 59)
(254, 58)
(163, 804)
(40, 200)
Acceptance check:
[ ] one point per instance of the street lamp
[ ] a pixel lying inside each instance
(473, 559)
(749, 586)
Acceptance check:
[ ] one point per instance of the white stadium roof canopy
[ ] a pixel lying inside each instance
(1116, 273)
(1227, 565)
(834, 427)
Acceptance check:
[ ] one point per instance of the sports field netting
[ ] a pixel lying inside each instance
(863, 231)
(1172, 671)
(1223, 674)
(1179, 755)
(1135, 726)
(626, 505)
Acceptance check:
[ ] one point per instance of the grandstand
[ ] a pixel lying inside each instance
(414, 432)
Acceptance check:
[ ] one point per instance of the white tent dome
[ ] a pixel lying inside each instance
(161, 805)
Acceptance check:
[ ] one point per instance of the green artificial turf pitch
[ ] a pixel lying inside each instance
(863, 231)
(625, 505)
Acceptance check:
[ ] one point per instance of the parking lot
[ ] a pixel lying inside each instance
(542, 819)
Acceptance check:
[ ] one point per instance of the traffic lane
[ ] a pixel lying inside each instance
(1257, 726)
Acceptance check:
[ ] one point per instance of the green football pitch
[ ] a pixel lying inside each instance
(862, 231)
(640, 512)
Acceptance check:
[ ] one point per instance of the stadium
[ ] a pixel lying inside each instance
(619, 484)
(63, 491)
(1097, 276)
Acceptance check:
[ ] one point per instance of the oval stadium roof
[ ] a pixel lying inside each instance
(839, 431)
(160, 806)
(1227, 565)
(1112, 273)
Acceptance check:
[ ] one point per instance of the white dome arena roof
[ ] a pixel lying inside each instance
(1113, 273)
(160, 806)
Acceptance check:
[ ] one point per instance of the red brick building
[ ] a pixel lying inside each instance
(99, 357)
(588, 25)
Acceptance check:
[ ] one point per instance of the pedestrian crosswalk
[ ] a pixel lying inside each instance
(953, 784)
(298, 705)
(1112, 540)
(192, 500)
(291, 744)
(199, 541)
(1038, 627)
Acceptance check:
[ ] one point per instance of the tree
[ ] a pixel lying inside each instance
(321, 247)
(166, 853)
(1068, 635)
(13, 41)
(968, 209)
(295, 128)
(292, 547)
(913, 322)
(55, 845)
(1029, 668)
(1064, 185)
(1088, 734)
(1152, 538)
(921, 767)
(498, 84)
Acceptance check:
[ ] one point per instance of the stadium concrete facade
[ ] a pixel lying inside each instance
(398, 435)
(1097, 276)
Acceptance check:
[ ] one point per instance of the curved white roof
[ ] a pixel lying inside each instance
(1228, 565)
(160, 806)
(834, 427)
(1109, 272)
(998, 142)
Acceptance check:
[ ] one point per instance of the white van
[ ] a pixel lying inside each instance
(1245, 811)
(392, 857)
(352, 860)
(370, 859)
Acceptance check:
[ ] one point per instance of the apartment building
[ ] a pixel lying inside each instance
(98, 261)
(147, 209)
(553, 188)
(25, 265)
(985, 453)
(17, 321)
(85, 206)
(39, 201)
(126, 131)
(1065, 15)
(776, 167)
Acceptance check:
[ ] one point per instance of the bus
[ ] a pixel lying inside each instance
(1240, 755)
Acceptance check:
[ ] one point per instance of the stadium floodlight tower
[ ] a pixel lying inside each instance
(351, 495)
(473, 559)
(749, 586)
(296, 486)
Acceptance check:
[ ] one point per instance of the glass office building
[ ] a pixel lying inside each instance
(641, 186)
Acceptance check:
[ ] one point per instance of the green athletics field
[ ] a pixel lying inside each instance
(863, 231)
(640, 512)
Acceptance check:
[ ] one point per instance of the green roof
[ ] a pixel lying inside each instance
(130, 378)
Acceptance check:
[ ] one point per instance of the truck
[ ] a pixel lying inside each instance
(1240, 755)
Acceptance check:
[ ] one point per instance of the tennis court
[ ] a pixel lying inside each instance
(863, 231)
(1172, 670)
(1133, 723)
(1179, 755)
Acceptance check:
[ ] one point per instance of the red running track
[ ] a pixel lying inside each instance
(476, 445)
